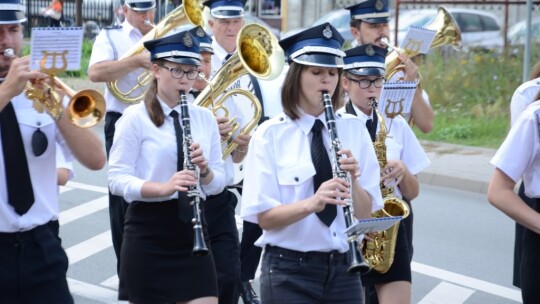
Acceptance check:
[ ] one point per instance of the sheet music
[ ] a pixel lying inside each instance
(396, 98)
(56, 44)
(418, 40)
(372, 224)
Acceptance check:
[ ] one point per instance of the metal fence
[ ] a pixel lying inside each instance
(99, 13)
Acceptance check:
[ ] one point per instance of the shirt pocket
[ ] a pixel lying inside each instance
(295, 180)
(30, 122)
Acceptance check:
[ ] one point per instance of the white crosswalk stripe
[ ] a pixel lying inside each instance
(450, 287)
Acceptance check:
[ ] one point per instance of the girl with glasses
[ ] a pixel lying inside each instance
(362, 79)
(146, 167)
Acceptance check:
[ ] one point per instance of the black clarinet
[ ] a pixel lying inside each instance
(357, 264)
(199, 245)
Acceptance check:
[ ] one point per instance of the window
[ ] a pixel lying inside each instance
(489, 24)
(469, 22)
(270, 8)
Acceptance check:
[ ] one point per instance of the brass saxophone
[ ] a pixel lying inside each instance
(379, 251)
(199, 246)
(355, 259)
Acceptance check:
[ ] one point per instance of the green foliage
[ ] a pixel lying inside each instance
(470, 94)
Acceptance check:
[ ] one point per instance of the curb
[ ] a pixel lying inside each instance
(453, 182)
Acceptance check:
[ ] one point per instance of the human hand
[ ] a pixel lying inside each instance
(348, 163)
(224, 127)
(333, 191)
(243, 142)
(18, 76)
(393, 173)
(411, 69)
(197, 157)
(180, 181)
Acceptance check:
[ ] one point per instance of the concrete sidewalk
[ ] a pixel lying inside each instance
(458, 167)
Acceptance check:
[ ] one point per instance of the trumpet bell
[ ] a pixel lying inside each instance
(86, 108)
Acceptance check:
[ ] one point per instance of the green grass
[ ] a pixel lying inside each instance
(470, 94)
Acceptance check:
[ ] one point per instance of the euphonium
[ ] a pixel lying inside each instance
(199, 245)
(85, 108)
(356, 262)
(124, 89)
(379, 251)
(259, 54)
(447, 32)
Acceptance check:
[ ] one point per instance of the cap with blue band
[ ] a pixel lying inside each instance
(11, 12)
(370, 11)
(365, 60)
(226, 8)
(180, 48)
(141, 5)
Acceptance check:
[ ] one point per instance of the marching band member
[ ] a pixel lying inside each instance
(304, 259)
(518, 157)
(369, 24)
(33, 264)
(362, 79)
(104, 66)
(156, 260)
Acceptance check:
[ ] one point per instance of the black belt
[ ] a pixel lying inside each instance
(35, 232)
(308, 255)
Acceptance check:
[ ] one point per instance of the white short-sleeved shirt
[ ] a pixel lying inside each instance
(279, 170)
(65, 162)
(111, 44)
(143, 152)
(401, 144)
(523, 96)
(519, 155)
(42, 170)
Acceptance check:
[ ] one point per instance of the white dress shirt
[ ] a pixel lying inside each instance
(124, 39)
(401, 144)
(42, 170)
(279, 170)
(519, 155)
(143, 152)
(523, 96)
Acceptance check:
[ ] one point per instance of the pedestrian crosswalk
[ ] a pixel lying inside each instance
(92, 273)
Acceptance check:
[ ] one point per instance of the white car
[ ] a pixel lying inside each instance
(516, 33)
(479, 29)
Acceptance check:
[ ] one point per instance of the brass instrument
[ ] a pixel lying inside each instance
(86, 107)
(379, 252)
(124, 89)
(259, 54)
(447, 32)
(356, 261)
(199, 245)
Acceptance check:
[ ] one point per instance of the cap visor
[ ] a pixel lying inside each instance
(183, 60)
(11, 17)
(319, 59)
(376, 20)
(205, 49)
(224, 14)
(367, 71)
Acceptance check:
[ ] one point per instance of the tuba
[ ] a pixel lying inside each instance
(447, 32)
(259, 54)
(124, 89)
(379, 252)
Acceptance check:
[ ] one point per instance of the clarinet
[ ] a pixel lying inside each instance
(199, 246)
(357, 263)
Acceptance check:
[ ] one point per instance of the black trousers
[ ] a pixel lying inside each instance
(33, 267)
(250, 255)
(219, 211)
(117, 204)
(530, 264)
(408, 223)
(518, 242)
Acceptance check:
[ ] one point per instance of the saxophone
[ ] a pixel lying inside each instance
(199, 246)
(379, 251)
(355, 259)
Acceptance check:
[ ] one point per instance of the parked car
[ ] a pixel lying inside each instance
(479, 29)
(516, 33)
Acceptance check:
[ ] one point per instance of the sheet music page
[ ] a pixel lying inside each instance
(60, 47)
(372, 224)
(396, 98)
(418, 39)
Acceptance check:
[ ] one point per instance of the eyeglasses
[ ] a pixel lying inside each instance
(179, 73)
(39, 143)
(366, 83)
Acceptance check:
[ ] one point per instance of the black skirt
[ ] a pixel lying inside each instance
(530, 264)
(400, 270)
(157, 264)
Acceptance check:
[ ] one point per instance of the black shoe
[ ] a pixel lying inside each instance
(248, 294)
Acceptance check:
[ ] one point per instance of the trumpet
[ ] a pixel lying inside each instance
(199, 246)
(86, 107)
(356, 260)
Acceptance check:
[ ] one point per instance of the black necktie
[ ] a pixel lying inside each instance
(184, 211)
(323, 169)
(227, 57)
(371, 125)
(19, 184)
